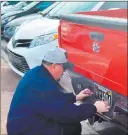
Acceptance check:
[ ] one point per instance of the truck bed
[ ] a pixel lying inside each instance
(105, 20)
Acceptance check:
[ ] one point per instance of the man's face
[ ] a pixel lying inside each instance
(58, 71)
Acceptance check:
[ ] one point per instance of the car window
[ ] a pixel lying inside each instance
(42, 5)
(72, 7)
(50, 7)
(113, 4)
(13, 2)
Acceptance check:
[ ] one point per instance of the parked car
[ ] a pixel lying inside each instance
(11, 27)
(7, 3)
(34, 38)
(4, 3)
(11, 8)
(96, 43)
(31, 8)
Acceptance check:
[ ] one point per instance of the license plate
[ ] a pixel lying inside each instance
(102, 93)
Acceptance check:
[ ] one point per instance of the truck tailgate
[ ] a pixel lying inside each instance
(97, 46)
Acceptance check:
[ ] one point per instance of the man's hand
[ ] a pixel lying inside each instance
(83, 94)
(102, 106)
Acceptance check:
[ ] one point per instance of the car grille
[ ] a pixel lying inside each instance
(18, 62)
(21, 43)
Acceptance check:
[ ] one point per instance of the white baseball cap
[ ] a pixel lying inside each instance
(58, 56)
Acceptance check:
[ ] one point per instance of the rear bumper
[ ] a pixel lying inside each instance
(118, 113)
(118, 124)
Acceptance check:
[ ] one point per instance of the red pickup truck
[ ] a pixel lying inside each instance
(96, 43)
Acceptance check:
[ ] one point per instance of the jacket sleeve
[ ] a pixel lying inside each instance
(59, 106)
(64, 112)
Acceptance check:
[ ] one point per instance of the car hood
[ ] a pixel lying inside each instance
(8, 9)
(36, 28)
(20, 20)
(10, 14)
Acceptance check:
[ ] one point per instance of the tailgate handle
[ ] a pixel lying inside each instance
(97, 36)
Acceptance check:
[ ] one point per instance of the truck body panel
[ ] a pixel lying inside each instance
(96, 43)
(106, 66)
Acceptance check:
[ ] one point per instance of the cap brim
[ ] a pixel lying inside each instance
(68, 65)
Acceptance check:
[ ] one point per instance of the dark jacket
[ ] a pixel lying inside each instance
(40, 107)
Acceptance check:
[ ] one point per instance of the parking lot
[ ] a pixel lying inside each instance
(9, 81)
(84, 33)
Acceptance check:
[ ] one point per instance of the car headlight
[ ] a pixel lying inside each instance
(10, 28)
(16, 28)
(43, 39)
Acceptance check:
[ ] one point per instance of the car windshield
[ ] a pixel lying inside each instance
(49, 8)
(29, 6)
(71, 7)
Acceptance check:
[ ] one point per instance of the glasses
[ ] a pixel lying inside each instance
(62, 66)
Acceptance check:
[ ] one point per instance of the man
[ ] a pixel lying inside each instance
(39, 105)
